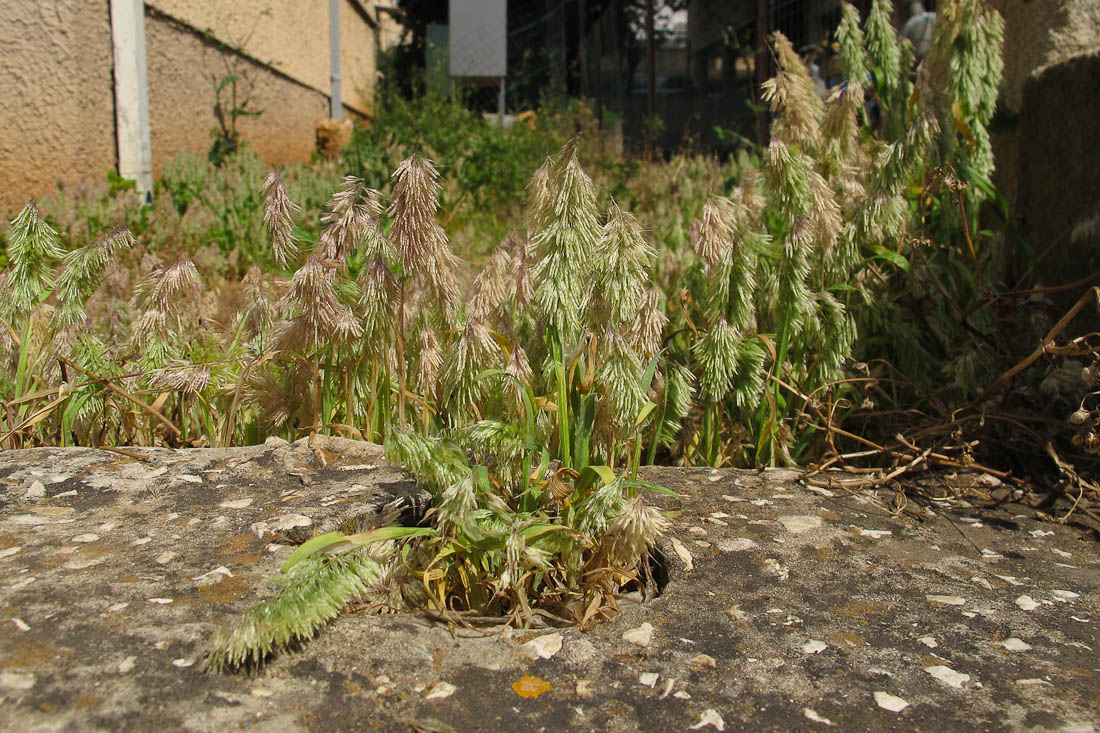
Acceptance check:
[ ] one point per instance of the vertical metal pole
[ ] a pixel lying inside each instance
(596, 88)
(582, 44)
(500, 105)
(618, 57)
(651, 58)
(336, 109)
(135, 151)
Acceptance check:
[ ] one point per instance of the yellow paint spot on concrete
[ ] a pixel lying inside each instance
(528, 686)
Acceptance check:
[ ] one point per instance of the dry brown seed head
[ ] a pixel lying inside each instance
(347, 219)
(491, 285)
(715, 230)
(634, 531)
(415, 233)
(178, 281)
(648, 325)
(430, 361)
(522, 288)
(279, 213)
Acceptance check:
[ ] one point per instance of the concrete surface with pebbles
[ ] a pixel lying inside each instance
(787, 608)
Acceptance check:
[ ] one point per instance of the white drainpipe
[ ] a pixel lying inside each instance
(337, 105)
(135, 155)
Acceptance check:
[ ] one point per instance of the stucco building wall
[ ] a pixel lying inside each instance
(57, 115)
(183, 67)
(57, 122)
(292, 36)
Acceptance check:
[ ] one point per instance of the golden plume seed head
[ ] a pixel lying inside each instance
(351, 212)
(470, 354)
(183, 377)
(150, 323)
(167, 286)
(518, 368)
(322, 317)
(792, 96)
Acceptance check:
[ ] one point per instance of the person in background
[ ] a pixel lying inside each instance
(918, 29)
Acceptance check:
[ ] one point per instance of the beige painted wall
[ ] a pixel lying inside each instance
(292, 36)
(57, 86)
(181, 99)
(57, 92)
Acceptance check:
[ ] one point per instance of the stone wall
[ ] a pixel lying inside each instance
(1043, 32)
(1058, 200)
(1038, 33)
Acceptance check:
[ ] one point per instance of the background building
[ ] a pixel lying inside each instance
(57, 79)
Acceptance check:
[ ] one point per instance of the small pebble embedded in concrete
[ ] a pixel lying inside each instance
(886, 701)
(544, 647)
(440, 691)
(947, 675)
(797, 524)
(710, 717)
(17, 681)
(1027, 603)
(640, 636)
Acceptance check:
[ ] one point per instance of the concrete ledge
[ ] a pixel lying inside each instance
(788, 609)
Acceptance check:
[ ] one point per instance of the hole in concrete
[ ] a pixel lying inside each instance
(654, 579)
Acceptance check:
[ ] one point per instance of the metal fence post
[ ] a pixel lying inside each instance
(336, 107)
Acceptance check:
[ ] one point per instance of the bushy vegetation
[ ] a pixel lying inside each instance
(524, 331)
